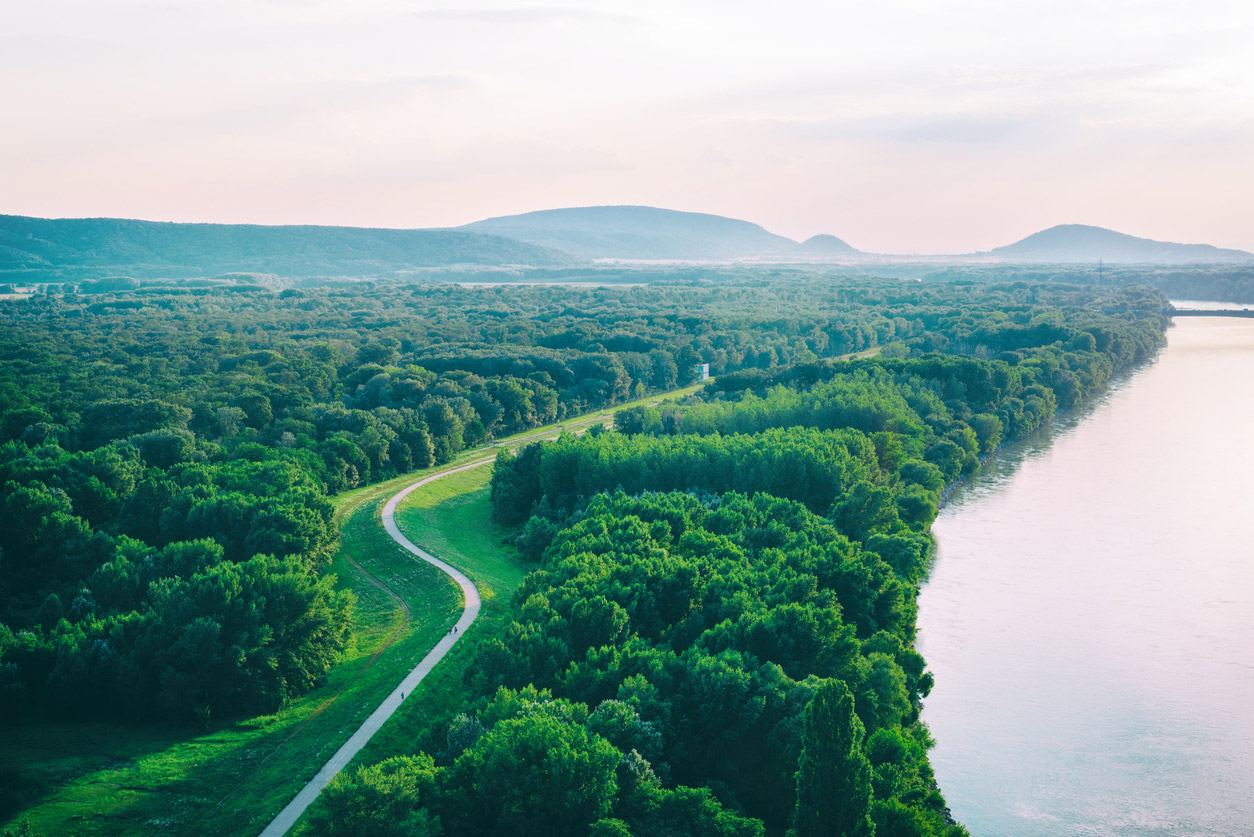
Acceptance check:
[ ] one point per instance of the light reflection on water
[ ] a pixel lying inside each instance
(1091, 609)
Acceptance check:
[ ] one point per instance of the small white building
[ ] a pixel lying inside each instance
(703, 371)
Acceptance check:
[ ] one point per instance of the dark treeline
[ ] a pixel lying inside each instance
(53, 250)
(733, 582)
(1220, 282)
(167, 450)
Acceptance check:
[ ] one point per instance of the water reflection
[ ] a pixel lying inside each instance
(1090, 609)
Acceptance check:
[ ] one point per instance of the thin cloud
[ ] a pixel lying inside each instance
(932, 126)
(964, 129)
(538, 15)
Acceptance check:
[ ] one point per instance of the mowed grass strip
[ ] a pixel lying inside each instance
(452, 519)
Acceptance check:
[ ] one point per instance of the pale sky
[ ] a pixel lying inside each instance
(900, 126)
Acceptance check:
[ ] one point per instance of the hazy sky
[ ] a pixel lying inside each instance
(898, 126)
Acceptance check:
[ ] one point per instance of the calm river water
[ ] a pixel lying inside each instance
(1090, 616)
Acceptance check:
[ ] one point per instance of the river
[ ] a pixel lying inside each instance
(1090, 614)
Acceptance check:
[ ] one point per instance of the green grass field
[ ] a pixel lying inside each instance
(110, 778)
(451, 518)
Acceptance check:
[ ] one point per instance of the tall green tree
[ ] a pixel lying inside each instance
(834, 774)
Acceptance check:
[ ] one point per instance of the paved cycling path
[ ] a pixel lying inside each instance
(287, 818)
(289, 815)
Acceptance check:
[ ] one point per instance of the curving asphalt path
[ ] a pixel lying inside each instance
(289, 815)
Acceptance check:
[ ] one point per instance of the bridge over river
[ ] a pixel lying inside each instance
(1188, 312)
(1203, 312)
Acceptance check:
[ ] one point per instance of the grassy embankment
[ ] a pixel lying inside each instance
(111, 778)
(451, 518)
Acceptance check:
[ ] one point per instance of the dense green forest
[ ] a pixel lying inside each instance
(723, 590)
(759, 551)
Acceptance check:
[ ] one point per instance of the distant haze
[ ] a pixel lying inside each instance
(642, 232)
(1080, 243)
(899, 126)
(38, 249)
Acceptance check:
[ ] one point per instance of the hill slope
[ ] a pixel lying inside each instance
(1081, 243)
(642, 232)
(81, 247)
(827, 245)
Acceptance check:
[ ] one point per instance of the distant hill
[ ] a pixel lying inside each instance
(827, 245)
(645, 232)
(86, 247)
(1080, 243)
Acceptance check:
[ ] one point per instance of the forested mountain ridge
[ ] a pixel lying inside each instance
(43, 249)
(646, 232)
(40, 250)
(1081, 243)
